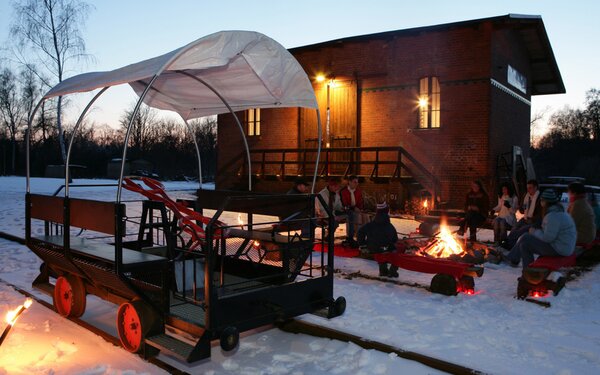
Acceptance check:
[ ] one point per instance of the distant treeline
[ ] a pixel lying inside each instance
(572, 145)
(167, 146)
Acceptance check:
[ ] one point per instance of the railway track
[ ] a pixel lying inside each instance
(105, 336)
(294, 326)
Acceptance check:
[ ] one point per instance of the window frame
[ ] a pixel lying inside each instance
(429, 116)
(252, 121)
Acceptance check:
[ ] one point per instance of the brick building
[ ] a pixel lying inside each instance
(415, 113)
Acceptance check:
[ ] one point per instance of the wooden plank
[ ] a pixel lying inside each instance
(94, 215)
(47, 208)
(102, 251)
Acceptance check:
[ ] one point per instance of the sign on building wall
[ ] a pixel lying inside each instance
(517, 79)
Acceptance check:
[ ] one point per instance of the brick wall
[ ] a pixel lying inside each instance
(387, 72)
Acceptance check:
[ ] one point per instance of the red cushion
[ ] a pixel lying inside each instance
(423, 264)
(554, 263)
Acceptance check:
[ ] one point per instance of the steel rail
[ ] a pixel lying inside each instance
(92, 328)
(299, 326)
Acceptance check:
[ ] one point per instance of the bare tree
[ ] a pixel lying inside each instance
(592, 112)
(141, 127)
(48, 32)
(11, 109)
(537, 119)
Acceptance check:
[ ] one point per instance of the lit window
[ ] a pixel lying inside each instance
(429, 103)
(253, 121)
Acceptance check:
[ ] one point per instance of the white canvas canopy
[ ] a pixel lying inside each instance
(248, 69)
(223, 72)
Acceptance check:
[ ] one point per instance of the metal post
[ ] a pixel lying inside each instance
(319, 142)
(327, 123)
(77, 124)
(237, 120)
(126, 142)
(27, 142)
(197, 151)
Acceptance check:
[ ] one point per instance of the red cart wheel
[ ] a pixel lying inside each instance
(444, 284)
(134, 321)
(69, 296)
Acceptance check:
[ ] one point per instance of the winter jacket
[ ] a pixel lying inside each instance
(346, 197)
(536, 216)
(507, 213)
(379, 234)
(584, 218)
(479, 199)
(331, 199)
(558, 229)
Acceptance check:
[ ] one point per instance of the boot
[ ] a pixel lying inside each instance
(383, 270)
(393, 272)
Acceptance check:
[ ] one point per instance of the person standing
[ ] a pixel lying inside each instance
(506, 209)
(582, 213)
(556, 238)
(378, 236)
(352, 201)
(477, 205)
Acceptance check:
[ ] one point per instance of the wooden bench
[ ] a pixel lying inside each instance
(102, 251)
(98, 216)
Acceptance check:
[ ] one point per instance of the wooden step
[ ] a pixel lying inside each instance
(179, 349)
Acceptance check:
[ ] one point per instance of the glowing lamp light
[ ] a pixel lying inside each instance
(12, 316)
(423, 102)
(320, 78)
(425, 204)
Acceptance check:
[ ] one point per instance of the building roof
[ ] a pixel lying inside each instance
(546, 77)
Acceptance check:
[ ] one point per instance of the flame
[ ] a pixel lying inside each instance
(425, 203)
(256, 244)
(445, 244)
(12, 315)
(240, 220)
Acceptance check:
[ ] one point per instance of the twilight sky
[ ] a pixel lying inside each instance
(120, 32)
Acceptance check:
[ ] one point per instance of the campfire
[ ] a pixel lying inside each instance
(445, 244)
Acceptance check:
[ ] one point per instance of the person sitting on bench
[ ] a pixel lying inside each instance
(300, 187)
(582, 213)
(477, 205)
(331, 196)
(506, 209)
(378, 236)
(556, 238)
(532, 215)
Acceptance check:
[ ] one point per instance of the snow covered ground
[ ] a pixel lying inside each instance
(490, 331)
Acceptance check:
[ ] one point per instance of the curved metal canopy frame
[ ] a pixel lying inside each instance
(191, 131)
(237, 121)
(134, 113)
(75, 129)
(27, 142)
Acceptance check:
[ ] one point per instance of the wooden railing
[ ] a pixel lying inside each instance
(375, 163)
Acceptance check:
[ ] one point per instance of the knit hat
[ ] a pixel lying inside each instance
(382, 207)
(549, 195)
(300, 181)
